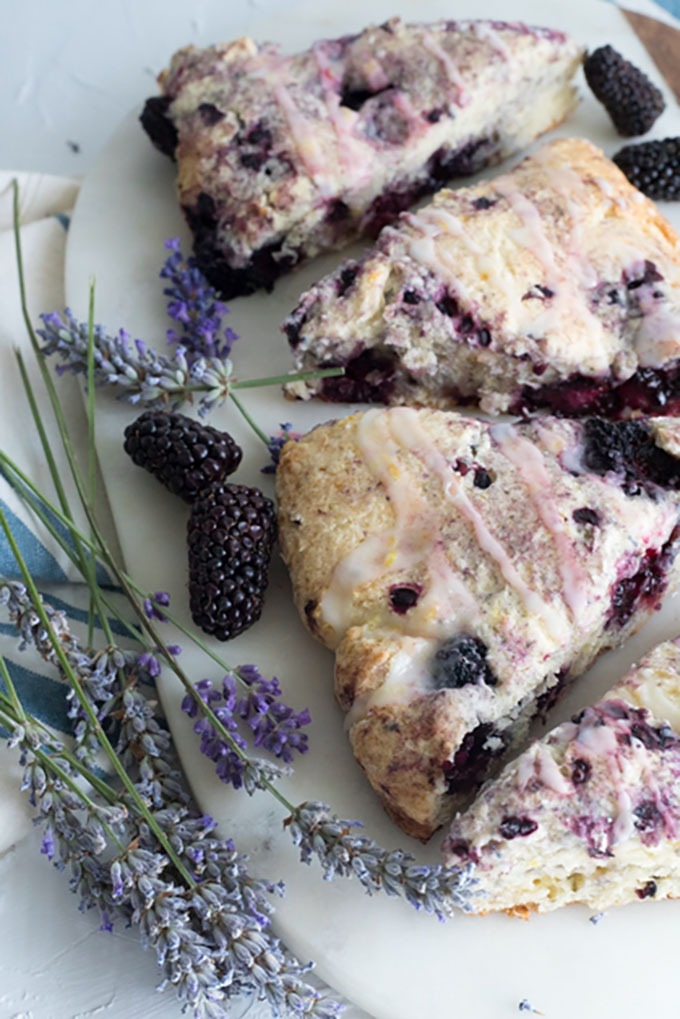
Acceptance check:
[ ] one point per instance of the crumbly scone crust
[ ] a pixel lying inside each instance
(591, 812)
(387, 501)
(558, 270)
(281, 157)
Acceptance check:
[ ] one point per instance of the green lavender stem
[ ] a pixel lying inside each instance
(87, 707)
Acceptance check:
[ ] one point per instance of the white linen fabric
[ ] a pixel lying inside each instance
(44, 205)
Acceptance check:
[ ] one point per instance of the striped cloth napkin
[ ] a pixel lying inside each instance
(45, 203)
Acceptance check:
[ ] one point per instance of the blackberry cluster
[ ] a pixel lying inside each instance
(230, 535)
(183, 454)
(628, 449)
(653, 167)
(459, 661)
(632, 101)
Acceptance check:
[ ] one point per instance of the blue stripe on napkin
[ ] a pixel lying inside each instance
(42, 696)
(40, 561)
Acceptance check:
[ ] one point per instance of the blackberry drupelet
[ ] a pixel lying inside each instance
(185, 455)
(653, 167)
(632, 101)
(230, 535)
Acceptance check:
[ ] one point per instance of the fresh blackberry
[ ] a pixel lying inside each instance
(182, 453)
(459, 661)
(230, 536)
(632, 101)
(653, 167)
(628, 449)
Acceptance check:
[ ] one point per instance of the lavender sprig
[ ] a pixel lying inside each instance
(319, 833)
(194, 304)
(145, 376)
(272, 725)
(142, 375)
(211, 936)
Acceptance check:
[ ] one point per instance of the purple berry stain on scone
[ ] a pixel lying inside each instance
(586, 515)
(547, 700)
(649, 821)
(472, 760)
(646, 585)
(653, 738)
(517, 827)
(464, 851)
(581, 770)
(368, 378)
(404, 597)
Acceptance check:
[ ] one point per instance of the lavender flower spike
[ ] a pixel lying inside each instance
(142, 375)
(270, 723)
(193, 303)
(318, 833)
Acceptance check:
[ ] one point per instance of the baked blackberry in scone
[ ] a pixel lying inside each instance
(556, 285)
(590, 813)
(282, 157)
(464, 573)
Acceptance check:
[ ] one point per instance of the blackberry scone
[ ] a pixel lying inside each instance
(282, 157)
(463, 573)
(590, 813)
(556, 285)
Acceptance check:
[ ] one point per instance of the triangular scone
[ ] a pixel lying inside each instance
(463, 573)
(282, 157)
(590, 813)
(555, 285)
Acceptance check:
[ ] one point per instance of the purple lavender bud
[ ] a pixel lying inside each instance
(276, 444)
(193, 303)
(47, 844)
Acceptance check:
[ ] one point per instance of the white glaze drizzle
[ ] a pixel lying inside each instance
(432, 226)
(624, 824)
(427, 245)
(434, 47)
(599, 740)
(408, 431)
(414, 539)
(528, 461)
(568, 183)
(309, 147)
(566, 305)
(550, 774)
(483, 30)
(539, 763)
(351, 154)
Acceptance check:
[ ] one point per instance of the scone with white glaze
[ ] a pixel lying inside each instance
(591, 812)
(556, 285)
(463, 573)
(282, 157)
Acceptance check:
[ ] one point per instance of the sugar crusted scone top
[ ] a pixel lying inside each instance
(483, 523)
(555, 270)
(236, 103)
(537, 259)
(591, 811)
